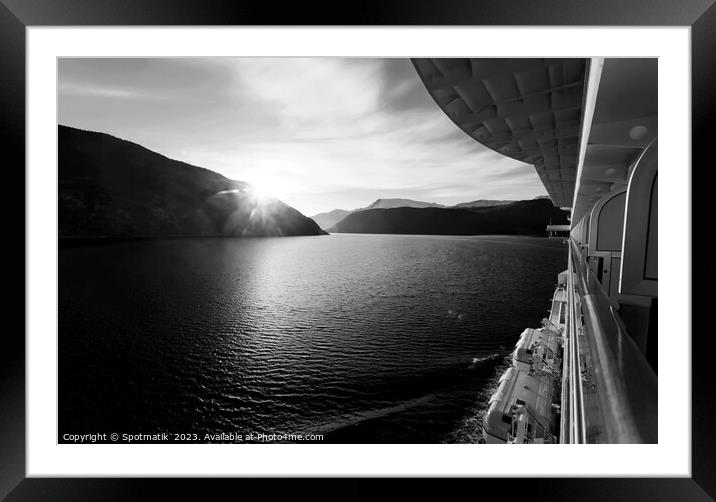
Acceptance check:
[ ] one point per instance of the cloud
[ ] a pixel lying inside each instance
(401, 90)
(69, 89)
(319, 132)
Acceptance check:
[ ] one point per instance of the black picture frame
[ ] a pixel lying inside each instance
(17, 15)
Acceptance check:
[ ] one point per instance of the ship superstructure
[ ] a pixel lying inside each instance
(589, 127)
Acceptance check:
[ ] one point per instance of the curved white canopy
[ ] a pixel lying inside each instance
(527, 109)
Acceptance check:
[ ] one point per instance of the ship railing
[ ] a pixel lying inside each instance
(624, 384)
(573, 378)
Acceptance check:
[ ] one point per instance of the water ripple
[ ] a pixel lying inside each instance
(364, 338)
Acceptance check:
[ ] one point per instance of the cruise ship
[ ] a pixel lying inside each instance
(588, 373)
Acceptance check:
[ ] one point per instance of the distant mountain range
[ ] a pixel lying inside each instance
(109, 187)
(392, 203)
(329, 219)
(484, 203)
(528, 217)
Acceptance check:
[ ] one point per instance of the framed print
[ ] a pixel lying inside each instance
(289, 243)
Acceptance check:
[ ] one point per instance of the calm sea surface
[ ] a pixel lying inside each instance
(361, 338)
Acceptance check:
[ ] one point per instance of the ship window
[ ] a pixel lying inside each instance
(520, 401)
(506, 418)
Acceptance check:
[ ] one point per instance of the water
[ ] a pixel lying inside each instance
(361, 338)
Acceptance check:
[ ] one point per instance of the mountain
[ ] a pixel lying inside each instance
(109, 187)
(391, 203)
(529, 217)
(330, 218)
(483, 203)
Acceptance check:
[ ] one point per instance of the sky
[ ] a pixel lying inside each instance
(318, 133)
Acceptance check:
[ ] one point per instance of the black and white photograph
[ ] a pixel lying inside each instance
(310, 251)
(357, 250)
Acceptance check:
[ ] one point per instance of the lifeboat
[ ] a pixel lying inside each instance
(522, 410)
(537, 350)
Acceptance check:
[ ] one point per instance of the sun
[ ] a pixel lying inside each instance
(268, 188)
(260, 194)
